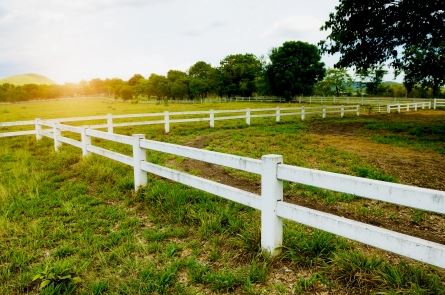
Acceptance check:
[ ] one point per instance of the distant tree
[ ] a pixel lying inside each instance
(178, 84)
(135, 79)
(239, 73)
(336, 82)
(203, 79)
(374, 79)
(294, 69)
(157, 85)
(126, 92)
(408, 35)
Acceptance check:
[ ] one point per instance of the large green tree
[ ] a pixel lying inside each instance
(178, 84)
(239, 73)
(203, 79)
(405, 34)
(294, 69)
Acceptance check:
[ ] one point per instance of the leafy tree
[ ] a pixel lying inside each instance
(203, 79)
(336, 81)
(238, 74)
(178, 84)
(373, 81)
(126, 92)
(405, 34)
(294, 69)
(135, 79)
(157, 85)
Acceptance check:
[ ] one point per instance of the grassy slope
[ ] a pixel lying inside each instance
(26, 79)
(78, 217)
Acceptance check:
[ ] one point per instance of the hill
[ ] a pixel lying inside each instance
(27, 79)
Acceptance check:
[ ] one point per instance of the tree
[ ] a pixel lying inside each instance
(157, 85)
(203, 79)
(136, 79)
(178, 84)
(373, 80)
(294, 69)
(238, 74)
(405, 34)
(336, 81)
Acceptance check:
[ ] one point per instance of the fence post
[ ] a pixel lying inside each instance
(388, 109)
(86, 140)
(110, 123)
(358, 110)
(139, 155)
(248, 117)
(407, 107)
(323, 112)
(415, 106)
(342, 111)
(398, 108)
(277, 115)
(56, 134)
(434, 103)
(38, 128)
(271, 194)
(429, 105)
(212, 118)
(166, 122)
(303, 115)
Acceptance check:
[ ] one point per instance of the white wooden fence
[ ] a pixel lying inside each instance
(400, 107)
(270, 202)
(167, 118)
(437, 103)
(358, 100)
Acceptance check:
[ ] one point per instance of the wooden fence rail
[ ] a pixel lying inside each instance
(167, 118)
(270, 202)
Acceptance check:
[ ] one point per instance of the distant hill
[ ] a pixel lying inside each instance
(27, 79)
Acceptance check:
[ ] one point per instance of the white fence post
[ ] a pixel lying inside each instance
(139, 155)
(415, 106)
(429, 105)
(271, 194)
(398, 108)
(248, 116)
(303, 115)
(110, 123)
(277, 114)
(388, 109)
(212, 118)
(86, 141)
(358, 110)
(166, 122)
(56, 134)
(407, 107)
(324, 113)
(342, 111)
(38, 128)
(434, 103)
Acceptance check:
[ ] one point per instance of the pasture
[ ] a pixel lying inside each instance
(77, 223)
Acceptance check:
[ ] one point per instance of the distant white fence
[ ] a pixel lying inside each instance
(359, 100)
(403, 107)
(167, 118)
(270, 202)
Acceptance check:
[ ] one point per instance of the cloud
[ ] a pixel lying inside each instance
(303, 27)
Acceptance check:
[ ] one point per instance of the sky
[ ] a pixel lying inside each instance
(75, 40)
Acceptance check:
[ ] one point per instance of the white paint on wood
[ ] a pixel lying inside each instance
(271, 194)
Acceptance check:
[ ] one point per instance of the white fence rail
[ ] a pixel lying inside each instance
(438, 103)
(270, 202)
(167, 118)
(404, 107)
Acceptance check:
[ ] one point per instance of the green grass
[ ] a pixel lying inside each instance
(76, 224)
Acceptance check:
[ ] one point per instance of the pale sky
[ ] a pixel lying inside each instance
(71, 40)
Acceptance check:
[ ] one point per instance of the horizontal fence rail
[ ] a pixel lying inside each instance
(167, 118)
(270, 202)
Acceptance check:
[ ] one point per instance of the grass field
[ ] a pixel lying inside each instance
(75, 224)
